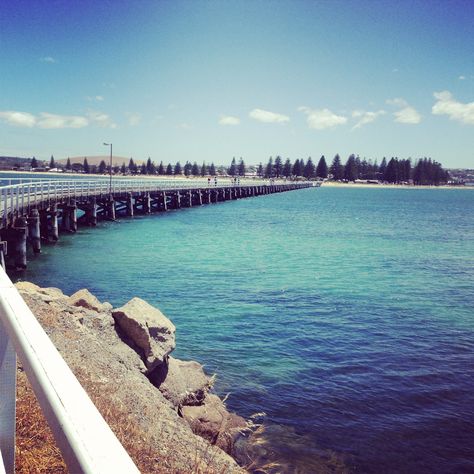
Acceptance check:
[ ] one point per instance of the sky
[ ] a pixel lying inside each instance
(210, 80)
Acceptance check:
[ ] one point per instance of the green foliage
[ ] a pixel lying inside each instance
(161, 169)
(34, 162)
(336, 169)
(195, 169)
(269, 168)
(123, 169)
(350, 169)
(232, 171)
(297, 170)
(278, 167)
(309, 169)
(260, 170)
(177, 169)
(85, 167)
(169, 170)
(68, 164)
(287, 168)
(212, 170)
(102, 167)
(322, 168)
(52, 163)
(203, 169)
(241, 170)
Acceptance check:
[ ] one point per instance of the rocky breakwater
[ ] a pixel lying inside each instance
(161, 406)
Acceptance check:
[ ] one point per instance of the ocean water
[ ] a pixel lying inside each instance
(346, 315)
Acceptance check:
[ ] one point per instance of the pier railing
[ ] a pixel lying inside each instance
(86, 441)
(25, 194)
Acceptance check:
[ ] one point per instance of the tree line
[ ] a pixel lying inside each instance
(424, 171)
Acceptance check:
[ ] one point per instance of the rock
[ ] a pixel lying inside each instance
(45, 294)
(87, 300)
(212, 421)
(148, 329)
(181, 382)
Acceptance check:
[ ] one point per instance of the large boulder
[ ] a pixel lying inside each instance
(181, 382)
(85, 299)
(148, 329)
(212, 421)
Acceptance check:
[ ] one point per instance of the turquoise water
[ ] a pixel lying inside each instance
(344, 314)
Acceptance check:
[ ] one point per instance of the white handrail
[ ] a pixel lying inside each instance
(86, 441)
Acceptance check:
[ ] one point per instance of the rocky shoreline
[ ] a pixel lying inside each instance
(123, 356)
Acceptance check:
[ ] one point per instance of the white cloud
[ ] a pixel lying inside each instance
(100, 119)
(134, 119)
(321, 119)
(268, 117)
(229, 120)
(97, 98)
(47, 120)
(462, 78)
(18, 119)
(48, 59)
(364, 117)
(407, 114)
(185, 126)
(455, 110)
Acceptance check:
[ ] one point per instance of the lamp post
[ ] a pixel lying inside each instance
(110, 168)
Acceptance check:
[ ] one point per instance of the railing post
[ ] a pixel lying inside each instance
(7, 401)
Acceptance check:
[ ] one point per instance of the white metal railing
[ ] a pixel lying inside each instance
(86, 441)
(14, 197)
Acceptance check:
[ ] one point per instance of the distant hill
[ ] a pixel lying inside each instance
(95, 160)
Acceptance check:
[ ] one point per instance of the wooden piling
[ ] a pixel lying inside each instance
(91, 212)
(165, 201)
(129, 205)
(111, 209)
(19, 245)
(34, 235)
(53, 229)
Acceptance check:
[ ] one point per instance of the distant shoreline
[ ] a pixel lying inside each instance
(332, 184)
(336, 184)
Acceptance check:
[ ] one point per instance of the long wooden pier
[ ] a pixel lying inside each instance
(38, 211)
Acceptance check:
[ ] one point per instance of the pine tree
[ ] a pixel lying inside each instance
(382, 168)
(350, 169)
(297, 168)
(212, 170)
(143, 169)
(241, 169)
(85, 166)
(68, 164)
(203, 169)
(161, 169)
(195, 169)
(309, 171)
(260, 170)
(52, 163)
(149, 166)
(132, 167)
(177, 168)
(269, 168)
(336, 169)
(34, 162)
(233, 168)
(286, 171)
(169, 170)
(322, 168)
(123, 169)
(102, 167)
(278, 166)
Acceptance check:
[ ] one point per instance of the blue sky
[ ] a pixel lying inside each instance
(206, 81)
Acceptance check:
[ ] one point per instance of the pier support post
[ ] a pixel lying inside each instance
(178, 200)
(53, 229)
(129, 205)
(73, 215)
(91, 212)
(200, 197)
(21, 229)
(190, 198)
(147, 204)
(165, 201)
(111, 209)
(34, 230)
(44, 225)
